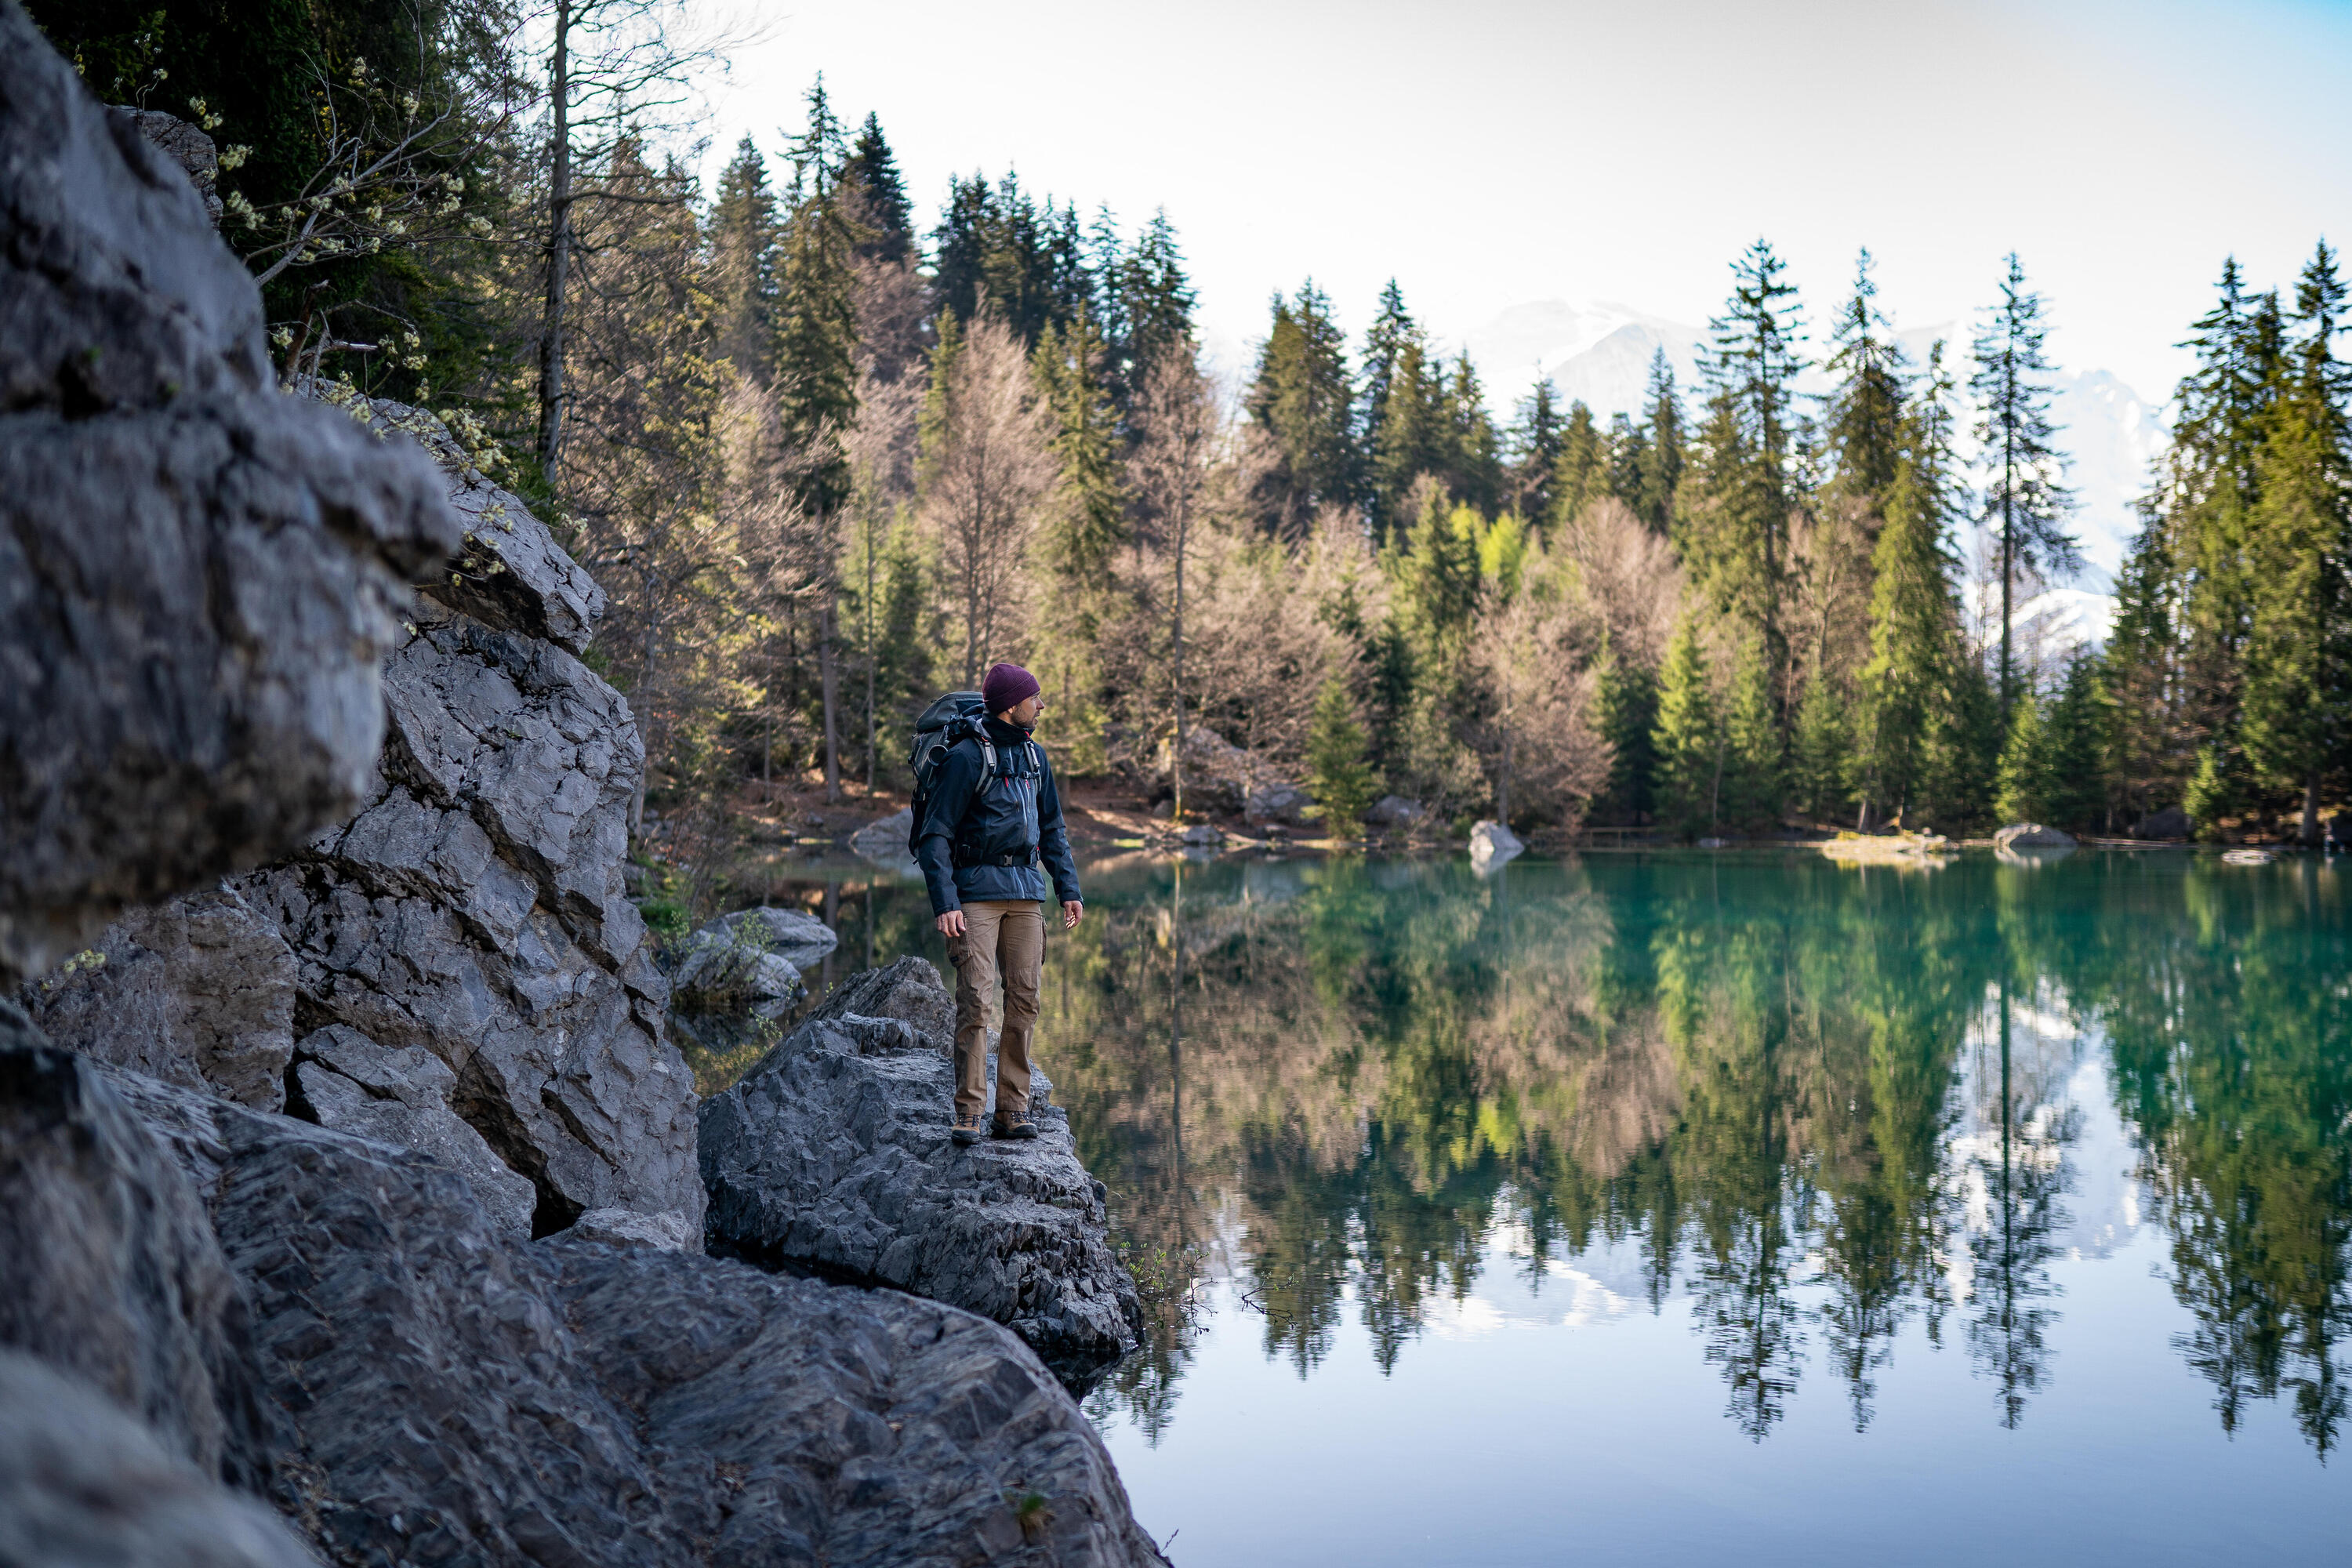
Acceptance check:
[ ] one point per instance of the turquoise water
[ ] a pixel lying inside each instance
(1690, 1207)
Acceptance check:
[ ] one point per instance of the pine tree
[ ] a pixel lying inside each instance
(1863, 431)
(1628, 447)
(742, 275)
(816, 320)
(1411, 439)
(1822, 755)
(2298, 684)
(1301, 399)
(2021, 788)
(1580, 477)
(882, 210)
(1627, 697)
(1157, 299)
(815, 386)
(1340, 775)
(1662, 459)
(1755, 771)
(1088, 520)
(1535, 445)
(1736, 536)
(1470, 457)
(2024, 500)
(2074, 750)
(1908, 684)
(1388, 341)
(1687, 742)
(1437, 581)
(2140, 671)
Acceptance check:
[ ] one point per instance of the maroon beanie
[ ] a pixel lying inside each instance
(1006, 685)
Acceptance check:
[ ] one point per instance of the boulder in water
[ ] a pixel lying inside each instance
(2031, 836)
(1492, 844)
(1393, 811)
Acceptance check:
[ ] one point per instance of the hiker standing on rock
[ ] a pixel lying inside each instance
(988, 833)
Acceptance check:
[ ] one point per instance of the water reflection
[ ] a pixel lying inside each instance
(1809, 1106)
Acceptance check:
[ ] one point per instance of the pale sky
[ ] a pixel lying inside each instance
(1492, 152)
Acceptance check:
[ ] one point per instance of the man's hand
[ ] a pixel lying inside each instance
(1071, 909)
(950, 923)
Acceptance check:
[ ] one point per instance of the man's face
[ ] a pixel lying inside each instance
(1026, 713)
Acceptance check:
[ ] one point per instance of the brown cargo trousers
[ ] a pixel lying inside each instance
(1002, 941)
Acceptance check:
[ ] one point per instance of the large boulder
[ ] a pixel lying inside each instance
(2031, 836)
(2170, 822)
(832, 1154)
(908, 989)
(445, 1395)
(198, 577)
(109, 1270)
(83, 1485)
(884, 840)
(1279, 804)
(1491, 845)
(475, 908)
(198, 992)
(349, 1083)
(1394, 813)
(751, 960)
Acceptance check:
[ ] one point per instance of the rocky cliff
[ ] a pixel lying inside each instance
(371, 1012)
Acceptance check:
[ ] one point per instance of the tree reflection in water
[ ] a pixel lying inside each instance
(1816, 1102)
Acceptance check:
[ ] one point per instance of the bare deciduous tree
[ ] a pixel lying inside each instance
(1170, 477)
(986, 474)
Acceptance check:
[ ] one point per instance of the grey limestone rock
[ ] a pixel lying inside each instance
(82, 1485)
(908, 989)
(1394, 811)
(447, 1396)
(751, 959)
(350, 1084)
(884, 841)
(626, 1227)
(833, 1154)
(1281, 803)
(2031, 836)
(198, 992)
(108, 1270)
(474, 909)
(1491, 845)
(807, 1423)
(184, 145)
(198, 577)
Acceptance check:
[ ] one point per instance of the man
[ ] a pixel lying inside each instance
(987, 845)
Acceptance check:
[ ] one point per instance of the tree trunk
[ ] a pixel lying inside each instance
(552, 393)
(1176, 812)
(824, 665)
(2311, 809)
(870, 659)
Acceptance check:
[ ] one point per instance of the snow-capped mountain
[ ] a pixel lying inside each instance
(1600, 355)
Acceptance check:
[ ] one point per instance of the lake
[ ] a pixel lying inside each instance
(1686, 1206)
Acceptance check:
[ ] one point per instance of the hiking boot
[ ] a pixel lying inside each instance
(1015, 1124)
(970, 1127)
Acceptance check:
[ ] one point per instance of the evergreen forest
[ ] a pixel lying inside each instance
(832, 446)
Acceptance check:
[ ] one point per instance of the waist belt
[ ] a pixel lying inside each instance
(1026, 857)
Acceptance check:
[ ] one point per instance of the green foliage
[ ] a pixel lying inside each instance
(1627, 696)
(2022, 787)
(1339, 773)
(1822, 757)
(1301, 399)
(1580, 476)
(2074, 749)
(1687, 742)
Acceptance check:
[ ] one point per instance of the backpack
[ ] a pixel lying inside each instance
(947, 720)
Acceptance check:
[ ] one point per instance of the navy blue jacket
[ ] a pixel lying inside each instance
(968, 831)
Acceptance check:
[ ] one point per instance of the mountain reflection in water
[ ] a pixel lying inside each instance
(1816, 1113)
